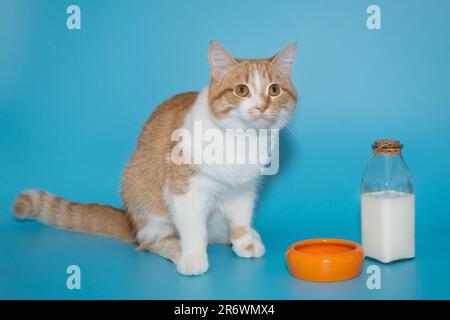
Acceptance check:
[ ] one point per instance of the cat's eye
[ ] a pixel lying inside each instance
(274, 90)
(241, 90)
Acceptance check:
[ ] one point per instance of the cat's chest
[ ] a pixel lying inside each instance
(232, 174)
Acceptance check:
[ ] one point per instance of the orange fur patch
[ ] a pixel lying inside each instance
(250, 247)
(238, 232)
(149, 170)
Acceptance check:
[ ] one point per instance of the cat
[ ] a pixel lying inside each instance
(175, 210)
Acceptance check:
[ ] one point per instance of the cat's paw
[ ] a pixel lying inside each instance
(249, 246)
(192, 265)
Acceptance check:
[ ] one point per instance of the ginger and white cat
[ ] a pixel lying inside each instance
(174, 210)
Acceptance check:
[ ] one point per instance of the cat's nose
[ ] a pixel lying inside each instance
(262, 107)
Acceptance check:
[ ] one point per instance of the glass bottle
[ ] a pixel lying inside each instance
(387, 204)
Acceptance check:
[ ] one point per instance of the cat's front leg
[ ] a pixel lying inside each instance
(190, 213)
(238, 209)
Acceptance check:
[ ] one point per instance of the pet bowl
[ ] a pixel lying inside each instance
(323, 260)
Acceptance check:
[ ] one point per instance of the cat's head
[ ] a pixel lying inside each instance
(251, 93)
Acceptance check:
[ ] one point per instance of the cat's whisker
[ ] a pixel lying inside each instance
(293, 133)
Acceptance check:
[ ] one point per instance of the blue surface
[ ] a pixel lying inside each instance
(72, 104)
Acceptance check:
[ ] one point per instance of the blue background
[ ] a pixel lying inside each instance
(72, 104)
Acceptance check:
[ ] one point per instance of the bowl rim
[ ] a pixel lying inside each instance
(318, 241)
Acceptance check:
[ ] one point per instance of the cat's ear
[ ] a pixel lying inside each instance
(284, 59)
(220, 60)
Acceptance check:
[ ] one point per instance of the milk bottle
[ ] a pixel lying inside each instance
(387, 205)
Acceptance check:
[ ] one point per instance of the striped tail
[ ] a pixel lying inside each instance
(87, 218)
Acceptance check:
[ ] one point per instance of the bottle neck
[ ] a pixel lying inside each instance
(385, 154)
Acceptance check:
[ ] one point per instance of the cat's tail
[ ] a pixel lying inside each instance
(59, 212)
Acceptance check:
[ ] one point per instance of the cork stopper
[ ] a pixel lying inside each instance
(387, 147)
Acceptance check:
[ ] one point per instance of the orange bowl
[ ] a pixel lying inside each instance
(323, 260)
